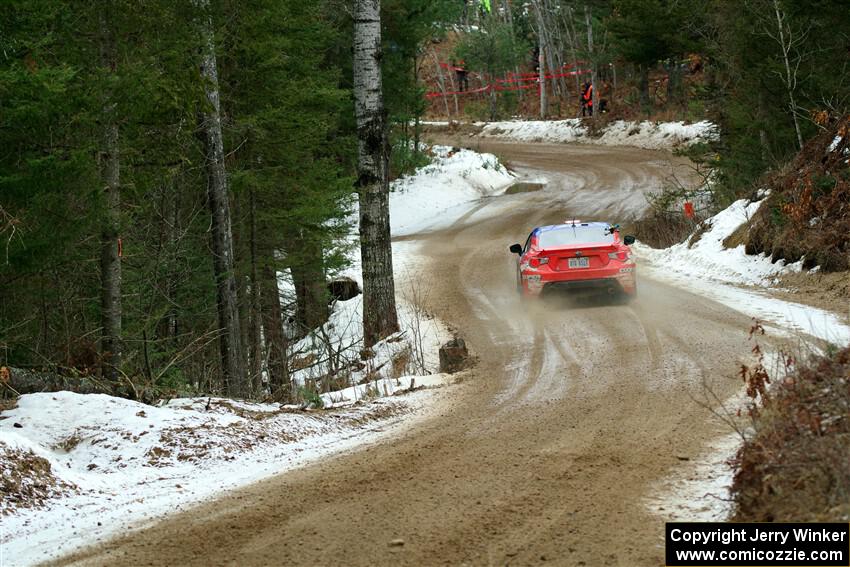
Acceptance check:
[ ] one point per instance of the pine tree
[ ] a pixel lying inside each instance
(293, 161)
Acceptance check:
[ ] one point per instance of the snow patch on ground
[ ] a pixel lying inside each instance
(698, 489)
(708, 258)
(556, 131)
(657, 136)
(648, 135)
(434, 196)
(129, 463)
(737, 280)
(442, 191)
(337, 346)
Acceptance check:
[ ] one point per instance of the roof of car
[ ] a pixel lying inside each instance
(547, 228)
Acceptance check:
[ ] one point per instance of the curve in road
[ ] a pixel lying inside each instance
(545, 452)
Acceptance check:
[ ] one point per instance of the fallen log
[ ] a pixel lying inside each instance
(20, 381)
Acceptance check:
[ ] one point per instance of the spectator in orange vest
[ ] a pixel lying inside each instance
(587, 99)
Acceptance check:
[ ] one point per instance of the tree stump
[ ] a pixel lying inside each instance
(453, 356)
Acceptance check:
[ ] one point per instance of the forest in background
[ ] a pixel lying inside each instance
(105, 177)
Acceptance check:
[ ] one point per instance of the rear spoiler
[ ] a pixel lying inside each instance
(570, 248)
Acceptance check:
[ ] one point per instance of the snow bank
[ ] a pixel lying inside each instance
(537, 130)
(433, 196)
(648, 135)
(657, 136)
(442, 190)
(738, 280)
(709, 259)
(698, 489)
(123, 462)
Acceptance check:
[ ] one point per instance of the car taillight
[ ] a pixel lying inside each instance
(537, 262)
(621, 256)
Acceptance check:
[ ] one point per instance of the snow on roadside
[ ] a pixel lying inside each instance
(95, 465)
(648, 135)
(738, 280)
(708, 258)
(657, 136)
(439, 192)
(413, 351)
(434, 196)
(698, 489)
(125, 463)
(556, 131)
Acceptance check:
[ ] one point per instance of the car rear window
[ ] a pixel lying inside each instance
(578, 234)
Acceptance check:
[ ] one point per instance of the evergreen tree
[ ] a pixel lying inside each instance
(749, 98)
(647, 32)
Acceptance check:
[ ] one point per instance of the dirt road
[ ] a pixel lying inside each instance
(549, 447)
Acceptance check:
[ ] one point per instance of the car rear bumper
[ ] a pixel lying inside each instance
(609, 285)
(613, 280)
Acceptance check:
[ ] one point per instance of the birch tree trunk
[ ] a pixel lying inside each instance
(541, 58)
(546, 25)
(110, 253)
(593, 74)
(558, 52)
(786, 44)
(232, 355)
(441, 82)
(379, 310)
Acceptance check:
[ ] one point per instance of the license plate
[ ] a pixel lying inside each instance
(578, 262)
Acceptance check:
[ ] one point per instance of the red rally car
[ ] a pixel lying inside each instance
(577, 255)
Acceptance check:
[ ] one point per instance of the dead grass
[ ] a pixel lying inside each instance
(400, 363)
(795, 466)
(661, 229)
(738, 237)
(26, 480)
(807, 215)
(825, 290)
(69, 443)
(8, 404)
